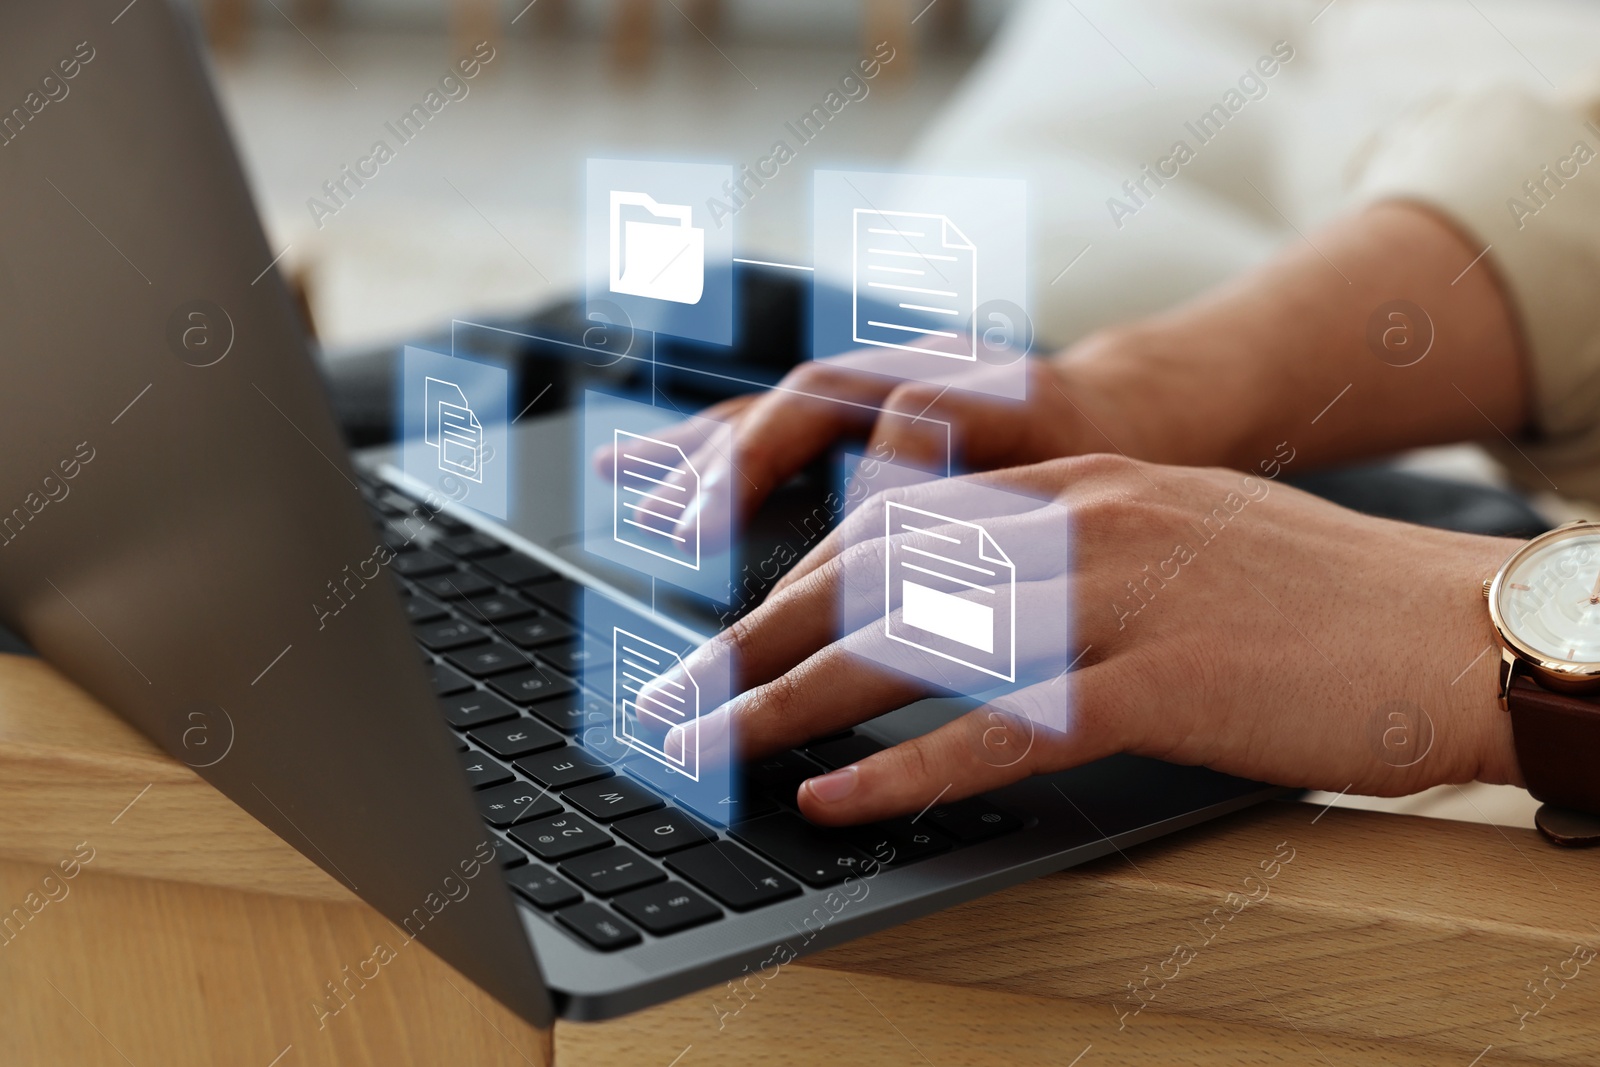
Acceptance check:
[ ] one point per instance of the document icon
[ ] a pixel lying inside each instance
(646, 705)
(653, 488)
(450, 426)
(659, 255)
(914, 283)
(957, 590)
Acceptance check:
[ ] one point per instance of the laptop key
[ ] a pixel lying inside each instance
(536, 633)
(420, 564)
(476, 708)
(544, 887)
(498, 608)
(560, 836)
(482, 771)
(421, 608)
(660, 832)
(560, 595)
(599, 927)
(455, 585)
(518, 737)
(563, 767)
(487, 660)
(534, 683)
(732, 875)
(780, 775)
(447, 680)
(448, 634)
(515, 569)
(506, 805)
(843, 751)
(817, 857)
(898, 841)
(508, 854)
(744, 807)
(567, 714)
(611, 870)
(666, 908)
(611, 798)
(574, 656)
(472, 545)
(972, 820)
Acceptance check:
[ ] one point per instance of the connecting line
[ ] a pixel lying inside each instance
(948, 461)
(1332, 802)
(767, 263)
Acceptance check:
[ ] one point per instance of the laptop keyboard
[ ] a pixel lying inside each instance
(608, 859)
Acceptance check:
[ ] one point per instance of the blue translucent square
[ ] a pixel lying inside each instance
(639, 689)
(455, 415)
(924, 277)
(657, 495)
(655, 248)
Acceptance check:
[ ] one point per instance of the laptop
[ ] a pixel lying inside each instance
(388, 680)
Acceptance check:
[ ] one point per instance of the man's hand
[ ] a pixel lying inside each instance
(930, 427)
(1267, 645)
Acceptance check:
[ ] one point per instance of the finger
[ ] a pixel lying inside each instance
(786, 630)
(960, 760)
(805, 703)
(783, 430)
(935, 427)
(794, 696)
(686, 434)
(970, 499)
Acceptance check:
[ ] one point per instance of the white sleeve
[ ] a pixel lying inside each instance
(1520, 174)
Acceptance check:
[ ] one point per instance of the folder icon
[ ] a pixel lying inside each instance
(646, 704)
(659, 255)
(914, 283)
(956, 587)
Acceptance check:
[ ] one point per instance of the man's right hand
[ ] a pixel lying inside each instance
(937, 428)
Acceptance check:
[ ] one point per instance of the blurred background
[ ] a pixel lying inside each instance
(482, 212)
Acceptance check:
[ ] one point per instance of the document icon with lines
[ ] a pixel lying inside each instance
(655, 493)
(956, 589)
(646, 703)
(450, 426)
(914, 283)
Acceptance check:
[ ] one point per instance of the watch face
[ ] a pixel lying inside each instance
(1548, 599)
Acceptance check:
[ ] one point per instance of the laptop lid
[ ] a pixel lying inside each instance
(176, 508)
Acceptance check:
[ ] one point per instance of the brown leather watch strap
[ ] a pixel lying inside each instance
(1558, 744)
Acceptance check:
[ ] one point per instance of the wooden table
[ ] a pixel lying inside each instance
(194, 936)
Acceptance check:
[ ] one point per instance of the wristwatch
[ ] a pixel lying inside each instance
(1545, 606)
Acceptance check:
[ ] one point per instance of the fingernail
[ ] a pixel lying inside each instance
(834, 787)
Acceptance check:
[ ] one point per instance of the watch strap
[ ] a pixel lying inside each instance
(1557, 737)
